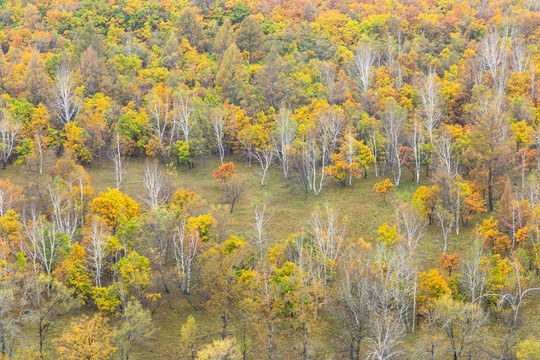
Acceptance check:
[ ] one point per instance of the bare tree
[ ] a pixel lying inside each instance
(520, 55)
(460, 323)
(264, 156)
(233, 190)
(8, 198)
(157, 188)
(96, 247)
(475, 274)
(218, 127)
(446, 221)
(186, 246)
(283, 138)
(45, 243)
(159, 107)
(65, 215)
(65, 100)
(364, 58)
(493, 55)
(9, 131)
(116, 154)
(515, 297)
(328, 232)
(260, 224)
(184, 121)
(411, 224)
(330, 125)
(393, 120)
(431, 103)
(417, 143)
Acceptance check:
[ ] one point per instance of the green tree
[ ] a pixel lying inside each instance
(136, 328)
(250, 36)
(231, 76)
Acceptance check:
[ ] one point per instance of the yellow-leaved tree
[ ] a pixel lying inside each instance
(86, 338)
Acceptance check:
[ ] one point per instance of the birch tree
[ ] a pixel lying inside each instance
(261, 219)
(494, 57)
(393, 120)
(161, 114)
(218, 128)
(431, 103)
(65, 101)
(284, 136)
(45, 243)
(9, 131)
(184, 121)
(96, 242)
(157, 188)
(328, 232)
(364, 58)
(116, 154)
(264, 156)
(186, 243)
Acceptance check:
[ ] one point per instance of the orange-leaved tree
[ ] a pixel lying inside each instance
(225, 172)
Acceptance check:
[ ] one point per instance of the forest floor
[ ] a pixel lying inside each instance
(365, 211)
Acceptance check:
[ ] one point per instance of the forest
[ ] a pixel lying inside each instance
(270, 179)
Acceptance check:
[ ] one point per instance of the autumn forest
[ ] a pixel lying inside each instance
(270, 179)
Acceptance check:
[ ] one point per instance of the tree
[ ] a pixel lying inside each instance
(91, 70)
(410, 224)
(50, 299)
(189, 338)
(250, 36)
(264, 155)
(136, 328)
(449, 262)
(364, 58)
(218, 129)
(393, 118)
(117, 155)
(260, 224)
(231, 75)
(225, 172)
(9, 135)
(45, 243)
(494, 56)
(224, 38)
(113, 204)
(383, 188)
(96, 244)
(183, 118)
(226, 349)
(10, 195)
(233, 191)
(36, 80)
(188, 26)
(328, 232)
(460, 323)
(187, 244)
(223, 279)
(284, 135)
(86, 338)
(135, 279)
(65, 100)
(431, 103)
(489, 141)
(157, 187)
